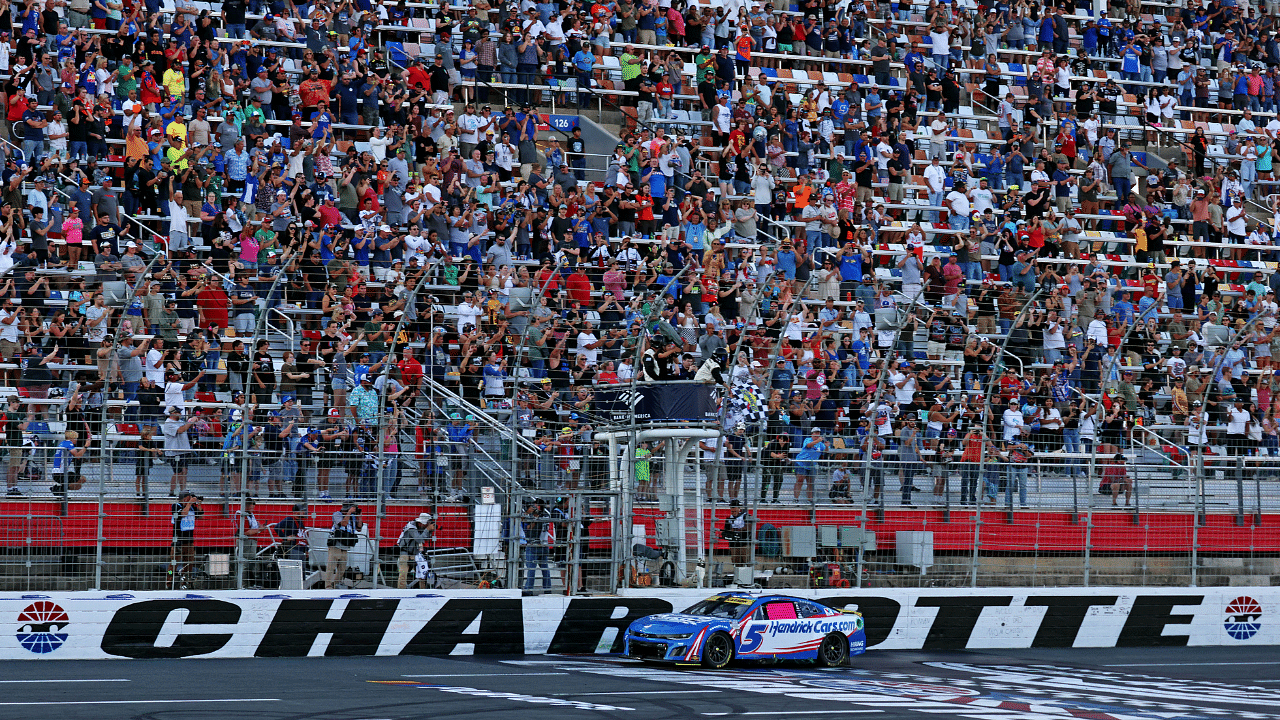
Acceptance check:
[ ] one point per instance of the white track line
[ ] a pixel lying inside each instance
(485, 675)
(1192, 664)
(141, 702)
(642, 692)
(794, 712)
(68, 680)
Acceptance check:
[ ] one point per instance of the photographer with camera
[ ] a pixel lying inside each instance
(412, 543)
(185, 513)
(540, 538)
(342, 537)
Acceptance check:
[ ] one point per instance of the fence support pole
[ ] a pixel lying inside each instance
(1199, 470)
(977, 537)
(1195, 552)
(862, 535)
(1257, 496)
(1239, 491)
(107, 467)
(1088, 535)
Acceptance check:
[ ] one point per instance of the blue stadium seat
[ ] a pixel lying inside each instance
(861, 79)
(397, 54)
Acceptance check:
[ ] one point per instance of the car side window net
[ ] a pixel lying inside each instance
(780, 611)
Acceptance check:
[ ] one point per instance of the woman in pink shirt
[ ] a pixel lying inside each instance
(73, 234)
(249, 247)
(613, 280)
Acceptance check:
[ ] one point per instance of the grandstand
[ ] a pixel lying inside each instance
(576, 278)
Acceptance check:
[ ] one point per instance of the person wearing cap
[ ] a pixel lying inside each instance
(363, 401)
(34, 124)
(291, 533)
(177, 446)
(414, 540)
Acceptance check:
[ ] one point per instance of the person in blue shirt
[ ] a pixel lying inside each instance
(1046, 32)
(791, 137)
(328, 240)
(1104, 34)
(1089, 40)
(851, 263)
(875, 108)
(65, 476)
(913, 60)
(1123, 309)
(1147, 308)
(582, 231)
(1131, 66)
(1240, 96)
(786, 259)
(839, 108)
(322, 123)
(583, 61)
(667, 281)
(807, 461)
(653, 177)
(994, 170)
(695, 232)
(362, 245)
(348, 94)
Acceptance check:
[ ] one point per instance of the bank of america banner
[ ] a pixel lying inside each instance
(693, 402)
(296, 624)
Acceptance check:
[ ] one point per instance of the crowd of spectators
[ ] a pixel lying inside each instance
(802, 197)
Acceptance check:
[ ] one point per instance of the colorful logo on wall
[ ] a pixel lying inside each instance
(1244, 618)
(42, 626)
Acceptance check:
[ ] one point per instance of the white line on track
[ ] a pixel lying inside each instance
(485, 675)
(643, 692)
(794, 712)
(141, 702)
(68, 680)
(1191, 664)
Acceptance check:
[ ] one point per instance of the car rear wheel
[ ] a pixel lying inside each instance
(718, 651)
(834, 650)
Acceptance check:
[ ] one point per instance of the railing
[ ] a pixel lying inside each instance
(1162, 518)
(1144, 529)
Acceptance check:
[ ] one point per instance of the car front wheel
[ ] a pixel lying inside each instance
(834, 650)
(718, 652)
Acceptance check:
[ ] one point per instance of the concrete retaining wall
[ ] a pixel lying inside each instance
(247, 624)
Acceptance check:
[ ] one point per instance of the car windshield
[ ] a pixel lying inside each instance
(721, 607)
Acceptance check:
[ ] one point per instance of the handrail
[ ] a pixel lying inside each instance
(84, 212)
(478, 413)
(515, 484)
(1157, 449)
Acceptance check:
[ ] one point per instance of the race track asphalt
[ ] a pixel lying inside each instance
(1097, 684)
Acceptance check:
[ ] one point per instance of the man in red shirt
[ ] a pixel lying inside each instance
(418, 76)
(1010, 385)
(548, 279)
(846, 191)
(1150, 284)
(737, 140)
(410, 370)
(666, 93)
(313, 91)
(579, 286)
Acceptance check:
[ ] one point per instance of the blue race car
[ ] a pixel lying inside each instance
(749, 627)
